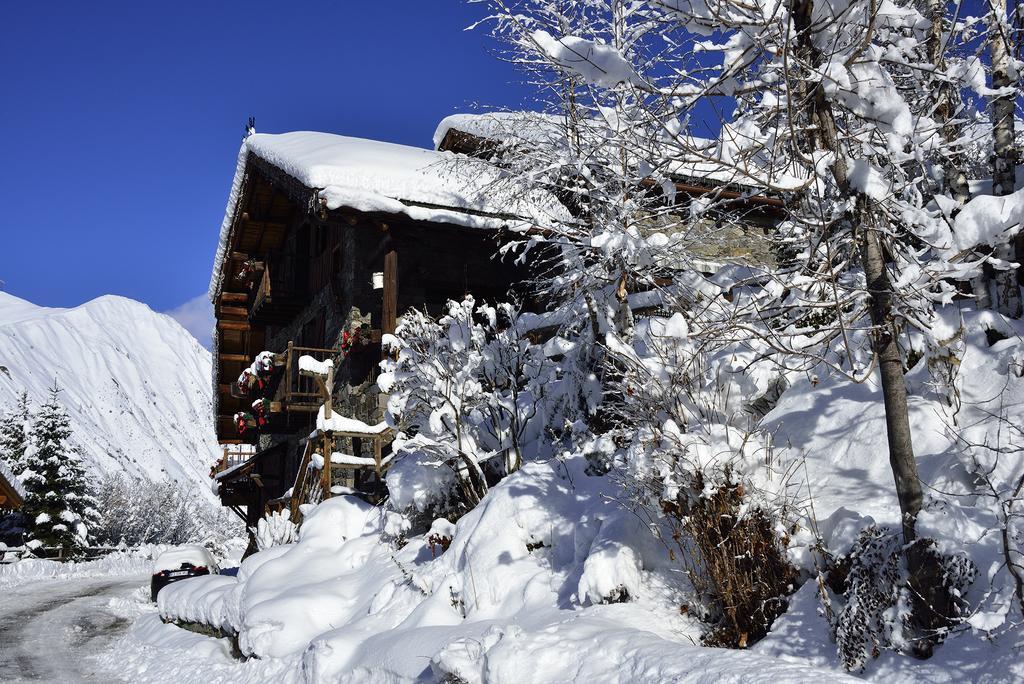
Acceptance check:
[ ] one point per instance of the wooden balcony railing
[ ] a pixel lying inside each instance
(300, 392)
(233, 455)
(281, 292)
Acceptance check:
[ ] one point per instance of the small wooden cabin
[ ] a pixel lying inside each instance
(325, 241)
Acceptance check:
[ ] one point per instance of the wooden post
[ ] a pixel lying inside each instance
(326, 474)
(224, 462)
(389, 309)
(329, 387)
(376, 453)
(288, 375)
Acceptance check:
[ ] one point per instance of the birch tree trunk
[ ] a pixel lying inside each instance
(946, 109)
(1004, 159)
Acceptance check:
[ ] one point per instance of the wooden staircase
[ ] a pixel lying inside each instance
(323, 471)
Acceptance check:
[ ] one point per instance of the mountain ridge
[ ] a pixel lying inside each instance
(135, 383)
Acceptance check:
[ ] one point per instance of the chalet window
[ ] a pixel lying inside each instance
(326, 262)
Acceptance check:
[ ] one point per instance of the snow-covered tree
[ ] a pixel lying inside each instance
(464, 391)
(1005, 92)
(832, 106)
(831, 113)
(14, 434)
(60, 505)
(140, 511)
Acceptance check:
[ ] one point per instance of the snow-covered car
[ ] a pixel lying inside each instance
(179, 563)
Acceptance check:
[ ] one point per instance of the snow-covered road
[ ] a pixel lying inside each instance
(50, 630)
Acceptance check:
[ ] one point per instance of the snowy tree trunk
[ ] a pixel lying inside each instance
(890, 361)
(890, 368)
(1004, 75)
(953, 173)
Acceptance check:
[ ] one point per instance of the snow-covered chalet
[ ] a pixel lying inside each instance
(326, 240)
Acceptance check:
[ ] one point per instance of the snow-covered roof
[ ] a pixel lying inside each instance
(501, 126)
(704, 160)
(370, 175)
(8, 475)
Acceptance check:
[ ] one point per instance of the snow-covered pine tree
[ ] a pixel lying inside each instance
(59, 502)
(14, 435)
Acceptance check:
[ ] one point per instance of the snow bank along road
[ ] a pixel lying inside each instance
(49, 630)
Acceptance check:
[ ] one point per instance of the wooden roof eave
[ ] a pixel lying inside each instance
(461, 142)
(9, 496)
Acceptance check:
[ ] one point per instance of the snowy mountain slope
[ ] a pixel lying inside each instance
(135, 383)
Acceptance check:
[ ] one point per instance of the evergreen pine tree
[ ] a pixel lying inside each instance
(14, 435)
(59, 503)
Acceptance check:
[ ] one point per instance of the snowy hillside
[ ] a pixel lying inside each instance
(134, 382)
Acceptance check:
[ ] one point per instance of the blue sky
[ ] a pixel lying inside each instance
(122, 122)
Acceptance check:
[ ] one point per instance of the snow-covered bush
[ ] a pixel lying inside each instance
(466, 395)
(692, 461)
(137, 511)
(274, 529)
(876, 602)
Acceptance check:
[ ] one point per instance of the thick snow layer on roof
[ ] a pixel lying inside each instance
(502, 126)
(370, 175)
(7, 474)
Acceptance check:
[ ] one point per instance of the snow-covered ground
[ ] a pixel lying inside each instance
(136, 384)
(517, 590)
(52, 630)
(33, 570)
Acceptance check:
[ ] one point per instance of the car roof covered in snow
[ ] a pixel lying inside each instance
(173, 558)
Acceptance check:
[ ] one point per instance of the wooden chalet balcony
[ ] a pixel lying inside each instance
(298, 392)
(233, 455)
(282, 291)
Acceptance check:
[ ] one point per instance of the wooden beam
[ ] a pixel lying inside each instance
(231, 358)
(232, 325)
(234, 311)
(234, 297)
(326, 472)
(389, 309)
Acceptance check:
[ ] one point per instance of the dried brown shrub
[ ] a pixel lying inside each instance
(735, 561)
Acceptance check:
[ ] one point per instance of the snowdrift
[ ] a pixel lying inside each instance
(517, 596)
(552, 579)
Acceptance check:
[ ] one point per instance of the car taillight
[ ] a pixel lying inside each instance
(201, 568)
